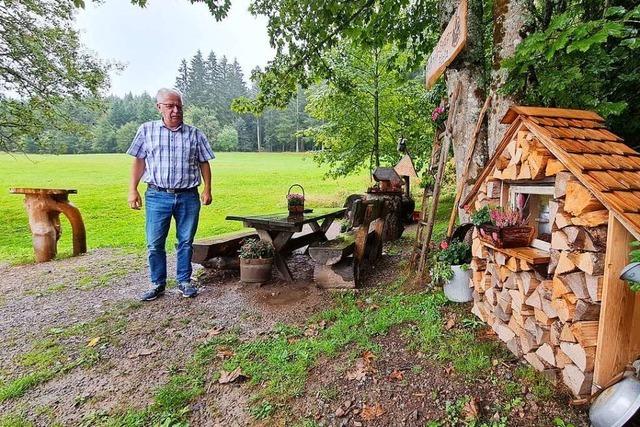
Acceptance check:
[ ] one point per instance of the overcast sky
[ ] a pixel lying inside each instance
(152, 41)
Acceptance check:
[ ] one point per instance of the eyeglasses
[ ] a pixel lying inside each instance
(172, 106)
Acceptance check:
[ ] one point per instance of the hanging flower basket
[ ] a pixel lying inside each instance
(295, 201)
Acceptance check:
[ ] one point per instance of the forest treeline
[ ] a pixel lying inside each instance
(209, 86)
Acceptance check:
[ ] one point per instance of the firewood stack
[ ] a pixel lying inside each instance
(550, 318)
(526, 158)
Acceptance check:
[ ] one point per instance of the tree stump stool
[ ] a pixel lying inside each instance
(44, 206)
(394, 225)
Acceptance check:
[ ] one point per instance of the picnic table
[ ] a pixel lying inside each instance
(44, 206)
(279, 228)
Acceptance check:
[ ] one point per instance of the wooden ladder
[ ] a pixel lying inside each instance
(440, 148)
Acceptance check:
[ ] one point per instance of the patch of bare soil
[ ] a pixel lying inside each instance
(75, 300)
(405, 388)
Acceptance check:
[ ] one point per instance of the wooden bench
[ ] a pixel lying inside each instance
(340, 262)
(220, 252)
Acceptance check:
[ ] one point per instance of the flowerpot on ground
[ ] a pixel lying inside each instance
(256, 259)
(457, 288)
(256, 270)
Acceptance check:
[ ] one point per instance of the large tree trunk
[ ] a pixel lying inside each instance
(508, 19)
(467, 69)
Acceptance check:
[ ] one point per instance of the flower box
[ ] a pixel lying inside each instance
(506, 237)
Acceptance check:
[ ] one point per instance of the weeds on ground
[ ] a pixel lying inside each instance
(470, 356)
(280, 362)
(51, 356)
(14, 420)
(49, 290)
(537, 383)
(455, 414)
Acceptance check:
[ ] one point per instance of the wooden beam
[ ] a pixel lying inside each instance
(615, 331)
(467, 164)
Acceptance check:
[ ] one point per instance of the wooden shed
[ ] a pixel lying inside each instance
(559, 303)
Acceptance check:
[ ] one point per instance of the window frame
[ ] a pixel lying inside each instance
(533, 189)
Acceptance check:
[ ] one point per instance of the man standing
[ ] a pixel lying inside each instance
(171, 156)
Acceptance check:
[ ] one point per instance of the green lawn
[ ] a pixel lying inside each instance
(242, 183)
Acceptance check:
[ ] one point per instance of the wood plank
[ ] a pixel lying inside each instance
(332, 251)
(528, 254)
(550, 112)
(220, 246)
(614, 349)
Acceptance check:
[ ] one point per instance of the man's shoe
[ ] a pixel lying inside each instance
(152, 293)
(187, 290)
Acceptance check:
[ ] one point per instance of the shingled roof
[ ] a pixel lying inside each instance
(595, 156)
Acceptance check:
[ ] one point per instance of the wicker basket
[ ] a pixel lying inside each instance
(295, 209)
(506, 237)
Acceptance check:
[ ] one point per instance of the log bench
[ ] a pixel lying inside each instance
(339, 262)
(220, 252)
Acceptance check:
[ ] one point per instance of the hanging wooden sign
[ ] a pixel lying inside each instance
(451, 42)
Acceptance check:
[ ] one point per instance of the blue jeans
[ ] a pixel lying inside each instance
(160, 206)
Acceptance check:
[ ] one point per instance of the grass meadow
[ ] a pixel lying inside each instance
(243, 183)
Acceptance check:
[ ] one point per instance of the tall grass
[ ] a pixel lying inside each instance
(243, 183)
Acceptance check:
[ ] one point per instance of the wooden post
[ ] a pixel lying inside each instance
(467, 164)
(617, 340)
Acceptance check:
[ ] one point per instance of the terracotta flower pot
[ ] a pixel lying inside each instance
(256, 270)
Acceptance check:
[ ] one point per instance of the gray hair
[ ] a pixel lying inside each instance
(164, 91)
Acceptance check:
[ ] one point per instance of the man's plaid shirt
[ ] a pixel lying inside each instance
(172, 158)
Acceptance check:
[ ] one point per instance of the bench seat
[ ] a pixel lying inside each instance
(332, 251)
(219, 246)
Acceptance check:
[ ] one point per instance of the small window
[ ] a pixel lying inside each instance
(535, 211)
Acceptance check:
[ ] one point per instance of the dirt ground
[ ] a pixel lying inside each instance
(70, 306)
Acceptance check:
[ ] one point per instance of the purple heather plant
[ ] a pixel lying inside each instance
(295, 199)
(506, 218)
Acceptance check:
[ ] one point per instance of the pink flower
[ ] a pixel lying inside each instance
(436, 113)
(444, 244)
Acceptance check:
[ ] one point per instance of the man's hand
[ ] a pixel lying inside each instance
(206, 197)
(135, 201)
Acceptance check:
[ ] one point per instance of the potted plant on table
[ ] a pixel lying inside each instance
(256, 259)
(505, 228)
(450, 267)
(295, 201)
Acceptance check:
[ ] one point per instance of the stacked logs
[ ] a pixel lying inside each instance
(525, 158)
(548, 316)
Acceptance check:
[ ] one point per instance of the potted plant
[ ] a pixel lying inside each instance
(450, 267)
(506, 228)
(256, 259)
(295, 201)
(481, 216)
